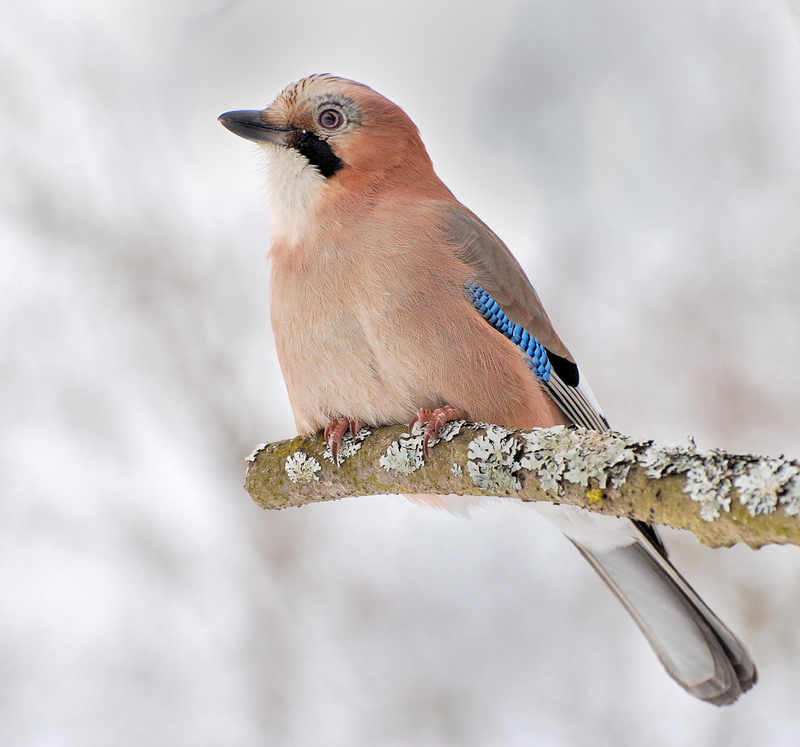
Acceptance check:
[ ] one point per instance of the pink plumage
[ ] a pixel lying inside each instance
(393, 303)
(367, 300)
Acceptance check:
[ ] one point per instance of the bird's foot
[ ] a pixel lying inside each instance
(435, 419)
(334, 433)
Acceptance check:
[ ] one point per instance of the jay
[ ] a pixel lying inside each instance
(392, 303)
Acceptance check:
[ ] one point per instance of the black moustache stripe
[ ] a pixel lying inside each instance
(318, 152)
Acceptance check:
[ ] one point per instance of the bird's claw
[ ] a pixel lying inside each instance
(435, 419)
(334, 433)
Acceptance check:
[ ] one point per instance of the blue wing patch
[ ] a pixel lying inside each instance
(559, 376)
(533, 349)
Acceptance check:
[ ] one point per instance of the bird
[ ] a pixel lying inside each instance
(391, 303)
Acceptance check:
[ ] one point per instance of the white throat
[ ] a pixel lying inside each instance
(294, 187)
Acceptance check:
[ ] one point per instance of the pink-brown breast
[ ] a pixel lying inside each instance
(371, 321)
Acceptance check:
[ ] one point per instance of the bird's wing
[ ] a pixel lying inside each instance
(501, 291)
(694, 646)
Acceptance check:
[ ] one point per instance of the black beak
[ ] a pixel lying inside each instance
(250, 125)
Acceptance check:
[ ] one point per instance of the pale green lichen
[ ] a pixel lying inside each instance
(301, 467)
(709, 474)
(255, 451)
(405, 456)
(605, 457)
(456, 470)
(450, 430)
(349, 445)
(708, 482)
(542, 455)
(764, 484)
(577, 456)
(791, 498)
(493, 460)
(659, 460)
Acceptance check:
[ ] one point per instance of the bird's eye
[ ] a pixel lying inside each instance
(330, 119)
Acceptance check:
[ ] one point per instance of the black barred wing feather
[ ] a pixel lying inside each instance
(577, 402)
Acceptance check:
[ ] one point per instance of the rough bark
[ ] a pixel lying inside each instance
(723, 498)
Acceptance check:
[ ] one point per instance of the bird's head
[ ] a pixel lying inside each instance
(326, 135)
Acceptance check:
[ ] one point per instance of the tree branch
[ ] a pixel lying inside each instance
(722, 498)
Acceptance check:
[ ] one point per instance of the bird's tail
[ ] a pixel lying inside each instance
(694, 646)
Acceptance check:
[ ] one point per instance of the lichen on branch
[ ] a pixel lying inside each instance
(723, 498)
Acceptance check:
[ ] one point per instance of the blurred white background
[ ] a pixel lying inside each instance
(643, 162)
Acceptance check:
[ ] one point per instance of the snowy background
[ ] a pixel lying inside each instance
(643, 162)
